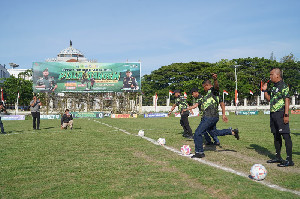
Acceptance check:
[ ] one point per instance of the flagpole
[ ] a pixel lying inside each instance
(236, 97)
(17, 108)
(223, 96)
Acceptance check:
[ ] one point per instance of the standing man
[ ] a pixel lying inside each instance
(130, 82)
(209, 105)
(47, 83)
(35, 112)
(67, 120)
(2, 109)
(279, 117)
(182, 104)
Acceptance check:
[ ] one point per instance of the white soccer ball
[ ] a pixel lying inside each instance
(161, 141)
(258, 172)
(141, 133)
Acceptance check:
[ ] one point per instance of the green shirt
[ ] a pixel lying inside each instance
(49, 82)
(278, 93)
(209, 103)
(181, 103)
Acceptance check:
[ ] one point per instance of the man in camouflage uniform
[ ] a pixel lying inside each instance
(47, 83)
(198, 101)
(209, 106)
(278, 96)
(182, 104)
(129, 82)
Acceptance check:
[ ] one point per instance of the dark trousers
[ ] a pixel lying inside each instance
(36, 120)
(279, 130)
(184, 122)
(208, 124)
(1, 126)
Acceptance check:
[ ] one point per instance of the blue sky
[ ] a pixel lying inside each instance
(157, 32)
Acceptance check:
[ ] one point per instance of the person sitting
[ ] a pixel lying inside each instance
(67, 120)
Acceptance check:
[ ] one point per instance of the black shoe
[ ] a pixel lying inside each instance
(209, 143)
(217, 143)
(275, 160)
(198, 155)
(286, 163)
(236, 133)
(3, 132)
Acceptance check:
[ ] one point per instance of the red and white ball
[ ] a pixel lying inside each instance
(186, 150)
(258, 172)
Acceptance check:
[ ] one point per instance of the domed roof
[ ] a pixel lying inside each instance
(70, 51)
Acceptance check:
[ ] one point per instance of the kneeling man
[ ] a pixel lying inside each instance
(67, 120)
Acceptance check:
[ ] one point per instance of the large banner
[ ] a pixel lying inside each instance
(86, 77)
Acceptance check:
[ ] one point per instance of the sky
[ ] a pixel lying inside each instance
(155, 32)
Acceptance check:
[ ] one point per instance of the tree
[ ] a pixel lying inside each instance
(288, 58)
(11, 86)
(250, 73)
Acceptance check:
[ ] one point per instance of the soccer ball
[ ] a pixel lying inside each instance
(141, 133)
(185, 150)
(161, 141)
(258, 172)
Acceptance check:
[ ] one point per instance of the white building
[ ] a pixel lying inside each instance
(3, 72)
(70, 54)
(15, 72)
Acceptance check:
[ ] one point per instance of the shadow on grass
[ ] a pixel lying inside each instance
(226, 150)
(296, 153)
(261, 150)
(51, 127)
(296, 134)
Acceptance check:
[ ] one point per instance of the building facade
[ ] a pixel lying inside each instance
(15, 72)
(3, 71)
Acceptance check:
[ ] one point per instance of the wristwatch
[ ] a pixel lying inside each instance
(286, 115)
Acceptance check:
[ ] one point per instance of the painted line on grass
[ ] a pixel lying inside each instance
(273, 186)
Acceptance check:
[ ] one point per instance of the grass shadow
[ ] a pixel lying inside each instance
(51, 127)
(296, 153)
(210, 148)
(296, 134)
(261, 150)
(226, 150)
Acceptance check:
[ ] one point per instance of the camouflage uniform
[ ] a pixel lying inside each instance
(181, 102)
(209, 106)
(49, 82)
(128, 81)
(278, 93)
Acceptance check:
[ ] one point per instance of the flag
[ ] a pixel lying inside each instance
(262, 94)
(156, 96)
(251, 93)
(185, 95)
(170, 92)
(2, 97)
(225, 92)
(18, 95)
(236, 97)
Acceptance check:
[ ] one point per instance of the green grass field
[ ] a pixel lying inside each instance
(97, 161)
